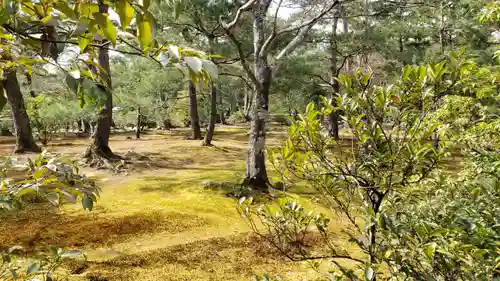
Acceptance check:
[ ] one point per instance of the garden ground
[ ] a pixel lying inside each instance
(163, 217)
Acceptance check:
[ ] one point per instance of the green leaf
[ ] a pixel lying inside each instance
(310, 107)
(87, 203)
(33, 268)
(54, 250)
(24, 191)
(65, 9)
(145, 3)
(145, 25)
(107, 27)
(71, 254)
(439, 232)
(83, 42)
(194, 64)
(430, 249)
(178, 7)
(406, 72)
(125, 11)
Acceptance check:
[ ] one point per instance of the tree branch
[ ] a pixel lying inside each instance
(302, 29)
(246, 7)
(243, 60)
(239, 76)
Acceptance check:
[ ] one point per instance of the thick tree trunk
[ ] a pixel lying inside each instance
(22, 127)
(256, 173)
(213, 116)
(99, 148)
(138, 124)
(193, 112)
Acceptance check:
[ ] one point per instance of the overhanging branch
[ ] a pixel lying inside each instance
(302, 29)
(243, 61)
(246, 7)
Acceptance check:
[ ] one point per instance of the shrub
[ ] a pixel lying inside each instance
(410, 220)
(54, 179)
(236, 117)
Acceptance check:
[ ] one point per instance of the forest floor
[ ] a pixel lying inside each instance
(161, 218)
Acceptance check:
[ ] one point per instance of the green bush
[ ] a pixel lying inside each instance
(236, 118)
(56, 180)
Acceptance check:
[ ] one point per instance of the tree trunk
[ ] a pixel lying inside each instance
(333, 118)
(345, 29)
(22, 127)
(138, 124)
(193, 112)
(99, 148)
(87, 128)
(256, 173)
(213, 116)
(247, 104)
(79, 125)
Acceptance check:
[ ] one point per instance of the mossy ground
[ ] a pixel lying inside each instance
(157, 220)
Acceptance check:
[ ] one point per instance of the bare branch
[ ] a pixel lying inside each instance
(243, 61)
(239, 76)
(302, 29)
(246, 7)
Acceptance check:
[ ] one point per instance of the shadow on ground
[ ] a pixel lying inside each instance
(35, 229)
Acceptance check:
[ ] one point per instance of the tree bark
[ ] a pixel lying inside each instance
(256, 173)
(247, 104)
(138, 124)
(193, 112)
(333, 118)
(99, 148)
(22, 127)
(213, 116)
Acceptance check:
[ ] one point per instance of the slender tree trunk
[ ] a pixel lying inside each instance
(345, 29)
(138, 124)
(333, 118)
(213, 116)
(256, 173)
(79, 125)
(22, 127)
(87, 128)
(99, 147)
(193, 112)
(442, 43)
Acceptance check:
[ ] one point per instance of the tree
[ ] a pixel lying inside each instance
(262, 73)
(193, 111)
(389, 171)
(86, 23)
(10, 85)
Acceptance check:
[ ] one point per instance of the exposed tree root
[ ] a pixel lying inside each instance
(23, 148)
(257, 184)
(204, 143)
(102, 158)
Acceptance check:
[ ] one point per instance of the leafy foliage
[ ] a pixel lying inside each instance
(44, 266)
(403, 212)
(53, 178)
